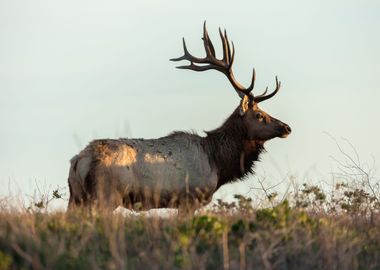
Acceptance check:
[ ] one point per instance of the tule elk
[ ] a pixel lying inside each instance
(182, 170)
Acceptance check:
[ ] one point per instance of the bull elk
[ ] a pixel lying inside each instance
(181, 169)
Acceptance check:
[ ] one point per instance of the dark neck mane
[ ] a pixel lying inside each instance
(229, 150)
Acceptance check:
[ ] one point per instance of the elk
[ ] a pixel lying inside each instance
(183, 169)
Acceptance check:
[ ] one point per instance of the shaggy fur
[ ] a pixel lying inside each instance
(230, 150)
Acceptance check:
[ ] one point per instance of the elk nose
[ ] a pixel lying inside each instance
(287, 129)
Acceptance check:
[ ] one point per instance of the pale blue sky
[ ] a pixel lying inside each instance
(73, 71)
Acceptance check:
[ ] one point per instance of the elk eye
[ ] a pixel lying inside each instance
(259, 116)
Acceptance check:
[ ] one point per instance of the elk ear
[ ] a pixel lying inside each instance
(244, 105)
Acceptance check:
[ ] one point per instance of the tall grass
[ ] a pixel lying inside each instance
(307, 232)
(309, 227)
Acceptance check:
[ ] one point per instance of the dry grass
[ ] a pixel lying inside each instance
(309, 227)
(232, 236)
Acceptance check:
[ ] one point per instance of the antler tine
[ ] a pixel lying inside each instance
(263, 94)
(225, 47)
(250, 88)
(228, 46)
(187, 55)
(232, 55)
(209, 47)
(265, 97)
(194, 67)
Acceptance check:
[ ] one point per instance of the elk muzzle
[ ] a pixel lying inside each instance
(285, 130)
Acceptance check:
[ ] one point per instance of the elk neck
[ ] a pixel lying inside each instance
(229, 150)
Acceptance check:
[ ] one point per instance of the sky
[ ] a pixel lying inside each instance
(73, 71)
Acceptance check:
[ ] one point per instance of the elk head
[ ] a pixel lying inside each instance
(259, 125)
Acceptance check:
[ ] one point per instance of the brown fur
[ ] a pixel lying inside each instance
(231, 151)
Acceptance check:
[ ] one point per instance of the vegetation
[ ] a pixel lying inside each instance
(308, 232)
(309, 227)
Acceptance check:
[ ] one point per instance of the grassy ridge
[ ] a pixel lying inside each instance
(279, 237)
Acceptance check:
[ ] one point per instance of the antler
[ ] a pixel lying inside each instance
(223, 65)
(211, 62)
